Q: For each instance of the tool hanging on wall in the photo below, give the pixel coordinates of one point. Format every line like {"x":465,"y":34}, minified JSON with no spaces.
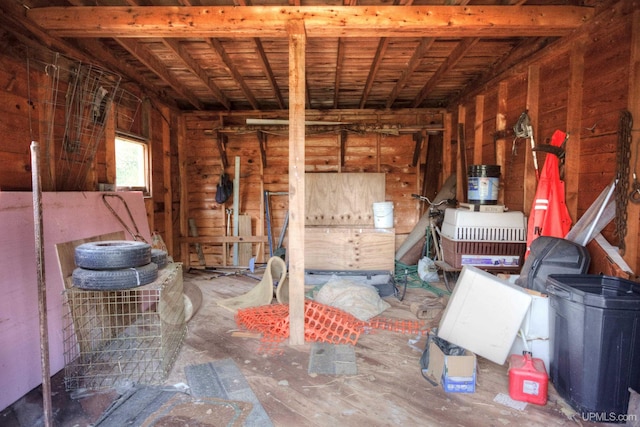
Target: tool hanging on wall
{"x":523,"y":129}
{"x":136,"y":236}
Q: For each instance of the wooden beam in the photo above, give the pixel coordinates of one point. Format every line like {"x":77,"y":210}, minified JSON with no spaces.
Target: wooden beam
{"x":297,"y":48}
{"x":479,"y":130}
{"x":501,"y":127}
{"x":424,"y":45}
{"x":221,"y":141}
{"x":196,"y":70}
{"x":268,"y":72}
{"x":262,"y":141}
{"x":343,"y":145}
{"x":339,"y":63}
{"x":456,"y":55}
{"x":233,"y":70}
{"x":418,"y":138}
{"x":461,"y":157}
{"x":319,"y":21}
{"x":373,"y":71}
{"x":140,"y":52}
{"x":223,"y":239}
{"x":574,"y":128}
{"x":184,"y":190}
{"x":167,"y":193}
{"x":532,"y":107}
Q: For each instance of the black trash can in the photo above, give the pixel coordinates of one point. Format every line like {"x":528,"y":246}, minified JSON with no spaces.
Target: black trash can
{"x":594,"y":332}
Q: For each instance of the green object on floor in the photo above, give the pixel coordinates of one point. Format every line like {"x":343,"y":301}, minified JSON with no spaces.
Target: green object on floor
{"x":410,"y":274}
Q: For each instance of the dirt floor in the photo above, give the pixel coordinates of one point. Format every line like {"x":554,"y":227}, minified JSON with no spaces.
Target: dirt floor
{"x":387,"y":390}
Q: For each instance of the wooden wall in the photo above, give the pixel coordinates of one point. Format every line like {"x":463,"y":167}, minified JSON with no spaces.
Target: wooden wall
{"x":579,"y":85}
{"x":375,"y":150}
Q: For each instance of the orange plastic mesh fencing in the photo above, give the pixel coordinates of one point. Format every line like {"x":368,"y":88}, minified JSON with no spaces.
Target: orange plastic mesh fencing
{"x":322,"y":323}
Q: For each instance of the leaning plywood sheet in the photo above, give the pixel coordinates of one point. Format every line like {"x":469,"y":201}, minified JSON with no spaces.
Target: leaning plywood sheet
{"x":67,"y":216}
{"x":336,"y":199}
{"x":349,"y":248}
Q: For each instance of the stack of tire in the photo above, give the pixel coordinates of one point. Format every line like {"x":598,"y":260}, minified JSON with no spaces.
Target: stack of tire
{"x":116,"y":264}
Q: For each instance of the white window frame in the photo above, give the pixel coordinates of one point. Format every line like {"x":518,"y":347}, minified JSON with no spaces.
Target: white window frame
{"x":146,"y":188}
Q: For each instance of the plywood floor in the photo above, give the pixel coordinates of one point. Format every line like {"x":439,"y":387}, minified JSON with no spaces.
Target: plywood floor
{"x":388,"y":389}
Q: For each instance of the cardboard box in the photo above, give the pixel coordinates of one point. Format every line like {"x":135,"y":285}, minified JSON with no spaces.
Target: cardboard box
{"x":484,"y":314}
{"x":457,"y":374}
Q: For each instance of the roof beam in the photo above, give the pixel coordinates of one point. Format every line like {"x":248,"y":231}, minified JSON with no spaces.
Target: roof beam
{"x":142,"y":54}
{"x":319,"y":21}
{"x":456,"y":55}
{"x":195,"y":68}
{"x":233,"y":71}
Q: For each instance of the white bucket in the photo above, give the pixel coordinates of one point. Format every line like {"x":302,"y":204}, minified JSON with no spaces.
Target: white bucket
{"x":383,"y":214}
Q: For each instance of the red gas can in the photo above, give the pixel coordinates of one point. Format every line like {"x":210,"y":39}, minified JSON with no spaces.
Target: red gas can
{"x":528,"y":379}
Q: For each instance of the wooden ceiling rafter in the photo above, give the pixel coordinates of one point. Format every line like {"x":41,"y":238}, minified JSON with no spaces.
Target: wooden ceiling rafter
{"x":454,"y":57}
{"x":423,"y":47}
{"x":216,"y":45}
{"x":339,"y":67}
{"x":141,"y":53}
{"x":195,"y":68}
{"x":264,"y":63}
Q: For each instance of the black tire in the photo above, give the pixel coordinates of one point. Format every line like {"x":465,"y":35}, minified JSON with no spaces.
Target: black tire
{"x":112,"y":254}
{"x":109,"y":280}
{"x":159,"y":257}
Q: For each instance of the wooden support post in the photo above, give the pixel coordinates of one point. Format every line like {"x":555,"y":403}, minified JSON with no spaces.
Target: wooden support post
{"x":447,"y":167}
{"x":184,"y":192}
{"x":244,"y":249}
{"x":193,"y":231}
{"x":236,"y":207}
{"x":501,"y":127}
{"x":574,"y":128}
{"x":461,"y":157}
{"x":297,"y":48}
{"x":532,"y":107}
{"x":166,"y":180}
{"x":479,"y":131}
{"x":42,"y":284}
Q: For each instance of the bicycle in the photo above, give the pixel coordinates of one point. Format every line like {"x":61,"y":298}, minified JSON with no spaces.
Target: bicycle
{"x":432,"y":247}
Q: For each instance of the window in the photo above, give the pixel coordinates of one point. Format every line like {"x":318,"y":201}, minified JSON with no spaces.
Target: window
{"x":132,"y":165}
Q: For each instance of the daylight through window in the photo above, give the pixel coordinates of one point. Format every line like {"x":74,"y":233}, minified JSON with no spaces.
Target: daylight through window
{"x":132,"y":165}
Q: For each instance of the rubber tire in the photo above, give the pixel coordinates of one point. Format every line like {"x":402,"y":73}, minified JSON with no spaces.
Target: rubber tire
{"x":111,"y":280}
{"x":112,"y":254}
{"x":159,"y":257}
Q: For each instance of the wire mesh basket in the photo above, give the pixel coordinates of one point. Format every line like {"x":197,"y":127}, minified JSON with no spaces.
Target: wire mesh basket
{"x":119,"y":338}
{"x":75,"y":99}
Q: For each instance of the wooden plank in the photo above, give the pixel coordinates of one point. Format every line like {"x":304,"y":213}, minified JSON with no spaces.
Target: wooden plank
{"x":342,"y":198}
{"x":297,"y":188}
{"x":193,"y":231}
{"x":532,"y":107}
{"x":184,"y":192}
{"x":319,"y":21}
{"x":244,"y":249}
{"x":574,"y":128}
{"x":501,"y":126}
{"x":19,"y":335}
{"x":167,"y":195}
{"x":479,"y":130}
{"x":349,"y":248}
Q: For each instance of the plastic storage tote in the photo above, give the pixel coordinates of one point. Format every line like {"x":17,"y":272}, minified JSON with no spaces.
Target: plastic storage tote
{"x":594,"y":332}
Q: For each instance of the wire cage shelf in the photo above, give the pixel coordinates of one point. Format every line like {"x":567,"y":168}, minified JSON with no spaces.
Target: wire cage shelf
{"x":118,"y":338}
